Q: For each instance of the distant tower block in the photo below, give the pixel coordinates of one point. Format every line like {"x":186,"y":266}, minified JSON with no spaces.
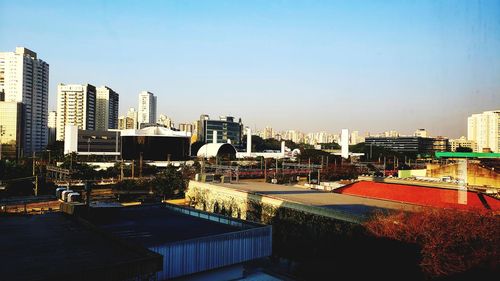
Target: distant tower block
{"x":249,"y":142}
{"x":344,"y":143}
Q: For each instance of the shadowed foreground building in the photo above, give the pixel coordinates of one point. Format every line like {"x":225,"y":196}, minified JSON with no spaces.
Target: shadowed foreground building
{"x":152,"y":242}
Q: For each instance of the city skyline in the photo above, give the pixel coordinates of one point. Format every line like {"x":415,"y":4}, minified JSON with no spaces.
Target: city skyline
{"x":297,"y":65}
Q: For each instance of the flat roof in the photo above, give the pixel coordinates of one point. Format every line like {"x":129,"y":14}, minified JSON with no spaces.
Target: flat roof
{"x":56,"y":246}
{"x":353,"y":205}
{"x":156,"y":225}
{"x":424,"y":196}
{"x":467,"y":155}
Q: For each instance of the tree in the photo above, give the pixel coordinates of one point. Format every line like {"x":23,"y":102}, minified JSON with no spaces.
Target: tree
{"x":169,"y":182}
{"x":451,"y":241}
{"x":463,"y":149}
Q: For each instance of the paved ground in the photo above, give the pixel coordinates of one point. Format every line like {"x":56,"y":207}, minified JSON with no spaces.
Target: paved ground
{"x":341,"y":202}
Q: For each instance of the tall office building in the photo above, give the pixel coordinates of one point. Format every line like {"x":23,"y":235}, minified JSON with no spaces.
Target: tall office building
{"x":106,"y":115}
{"x":11,"y":132}
{"x":147,"y":108}
{"x":24,"y":78}
{"x":52,"y":124}
{"x":484,"y":129}
{"x":76,"y":105}
{"x":226,"y":129}
{"x":268,"y":133}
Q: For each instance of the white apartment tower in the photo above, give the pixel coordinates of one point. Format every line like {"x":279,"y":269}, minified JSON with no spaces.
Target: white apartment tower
{"x":76,"y":105}
{"x":25,"y":79}
{"x":147,"y":108}
{"x":52,"y":124}
{"x":106,"y":113}
{"x":484,"y":129}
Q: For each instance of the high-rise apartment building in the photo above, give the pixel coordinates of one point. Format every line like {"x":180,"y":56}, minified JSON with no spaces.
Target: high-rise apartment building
{"x":147,"y":108}
{"x":186,"y":127}
{"x":421,"y":133}
{"x":268,"y":133}
{"x":165,"y":121}
{"x":463,"y":142}
{"x":484,"y":129}
{"x":76,"y":105}
{"x":106,"y":114}
{"x":52,"y":124}
{"x":11,"y":132}
{"x":24,"y":78}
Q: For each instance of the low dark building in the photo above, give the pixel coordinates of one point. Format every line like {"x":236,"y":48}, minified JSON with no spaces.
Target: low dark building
{"x":57,"y":247}
{"x":155,"y":144}
{"x":416,"y":145}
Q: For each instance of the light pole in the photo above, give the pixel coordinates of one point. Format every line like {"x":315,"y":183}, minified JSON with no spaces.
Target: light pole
{"x":2,"y":132}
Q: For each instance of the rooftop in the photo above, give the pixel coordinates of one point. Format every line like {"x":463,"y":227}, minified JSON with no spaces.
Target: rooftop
{"x":424,"y":196}
{"x":357,"y":206}
{"x":56,"y":246}
{"x":156,"y":225}
{"x":155,"y":131}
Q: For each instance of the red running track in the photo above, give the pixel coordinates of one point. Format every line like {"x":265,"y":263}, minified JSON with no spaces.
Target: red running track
{"x":425,"y":196}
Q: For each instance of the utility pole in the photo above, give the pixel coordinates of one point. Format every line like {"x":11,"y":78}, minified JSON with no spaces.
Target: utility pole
{"x":36,"y":185}
{"x":276,"y":172}
{"x":34,"y":172}
{"x":121,"y":169}
{"x":309,"y":170}
{"x":133,"y":169}
{"x":34,"y":163}
{"x":265,"y":171}
{"x":319,"y":176}
{"x":140,"y":166}
{"x":2,"y":132}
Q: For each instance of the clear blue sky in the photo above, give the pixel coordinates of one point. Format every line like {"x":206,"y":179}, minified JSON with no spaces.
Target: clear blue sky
{"x":307,"y":65}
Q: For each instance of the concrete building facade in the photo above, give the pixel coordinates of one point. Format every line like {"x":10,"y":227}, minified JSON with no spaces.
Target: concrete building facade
{"x":24,"y":78}
{"x":52,"y":125}
{"x":76,"y":105}
{"x":165,"y":121}
{"x":484,"y":129}
{"x":11,"y":132}
{"x":147,"y":108}
{"x":463,"y":142}
{"x":106,"y":109}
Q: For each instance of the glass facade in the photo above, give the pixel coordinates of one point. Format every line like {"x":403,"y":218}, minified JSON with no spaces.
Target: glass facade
{"x":404,"y":144}
{"x":226,"y":129}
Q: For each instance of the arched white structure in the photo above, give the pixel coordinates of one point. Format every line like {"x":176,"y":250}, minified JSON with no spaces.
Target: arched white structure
{"x":216,"y":149}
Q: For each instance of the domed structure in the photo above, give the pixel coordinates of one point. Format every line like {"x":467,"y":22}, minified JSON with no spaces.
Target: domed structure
{"x":217,"y":150}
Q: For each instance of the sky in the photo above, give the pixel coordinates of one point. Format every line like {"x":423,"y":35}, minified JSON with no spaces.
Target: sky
{"x":312,"y":66}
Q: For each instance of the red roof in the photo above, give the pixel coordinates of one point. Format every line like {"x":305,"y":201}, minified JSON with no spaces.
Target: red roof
{"x":425,"y":196}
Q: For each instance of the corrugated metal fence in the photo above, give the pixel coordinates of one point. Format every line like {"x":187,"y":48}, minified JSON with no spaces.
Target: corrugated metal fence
{"x":205,"y":253}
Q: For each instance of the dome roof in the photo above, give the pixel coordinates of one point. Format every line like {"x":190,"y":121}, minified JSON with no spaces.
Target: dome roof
{"x":216,"y":149}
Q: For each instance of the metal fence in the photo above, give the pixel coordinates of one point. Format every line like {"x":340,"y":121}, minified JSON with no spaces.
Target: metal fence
{"x":181,"y":258}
